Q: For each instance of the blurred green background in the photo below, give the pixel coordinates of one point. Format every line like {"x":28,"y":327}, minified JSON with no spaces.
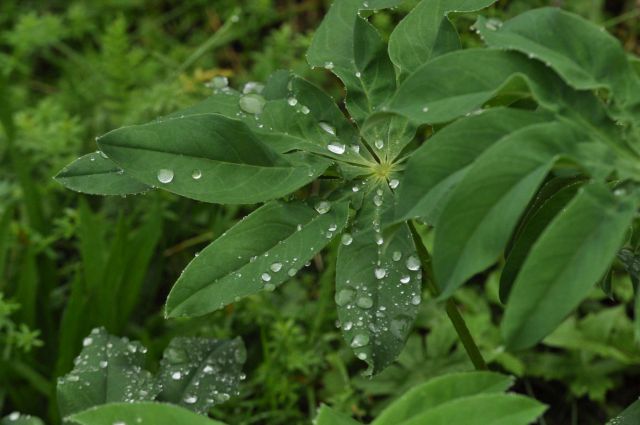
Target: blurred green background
{"x":68,"y":263}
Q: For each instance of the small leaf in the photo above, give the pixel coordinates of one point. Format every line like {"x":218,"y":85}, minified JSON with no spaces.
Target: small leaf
{"x":198,"y":373}
{"x":140,"y":414}
{"x":378,"y":283}
{"x":16,"y":418}
{"x":570,"y":256}
{"x":630,"y":416}
{"x":437,"y":166}
{"x":109,"y":369}
{"x":329,"y":416}
{"x":426,"y":32}
{"x":387,"y":135}
{"x":210,"y":158}
{"x":441,"y":390}
{"x":262,"y":251}
{"x":96,"y":175}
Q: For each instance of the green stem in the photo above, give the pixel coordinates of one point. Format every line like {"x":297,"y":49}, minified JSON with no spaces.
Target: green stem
{"x":451,"y":308}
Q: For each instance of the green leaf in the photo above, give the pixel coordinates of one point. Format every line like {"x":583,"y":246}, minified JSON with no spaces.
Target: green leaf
{"x":582,"y":53}
{"x":483,"y":409}
{"x":426,"y":32}
{"x":198,"y":373}
{"x":262,"y":251}
{"x":96,"y":175}
{"x":109,"y":369}
{"x":142,"y":414}
{"x":441,"y":390}
{"x":485,"y":206}
{"x":437,"y":166}
{"x":532,"y":229}
{"x":378,"y":282}
{"x":16,"y":418}
{"x":329,"y":416}
{"x":630,"y":416}
{"x":570,"y":256}
{"x":388,"y":134}
{"x":352,"y":49}
{"x":210,"y":158}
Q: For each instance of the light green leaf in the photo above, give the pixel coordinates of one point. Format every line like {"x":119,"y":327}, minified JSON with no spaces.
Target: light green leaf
{"x":16,"y":418}
{"x":388,"y":134}
{"x":437,"y":166}
{"x":109,"y":369}
{"x":378,"y":282}
{"x":329,"y":416}
{"x":96,"y":175}
{"x":426,"y":32}
{"x":483,"y":409}
{"x":582,"y":53}
{"x":352,"y":49}
{"x":262,"y":251}
{"x":439,"y":391}
{"x":141,"y":414}
{"x":485,"y":206}
{"x":198,"y":373}
{"x":570,"y":256}
{"x":631,"y":416}
{"x":210,"y":158}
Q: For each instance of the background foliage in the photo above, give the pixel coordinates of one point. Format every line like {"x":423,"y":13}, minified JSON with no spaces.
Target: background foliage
{"x":69,"y":263}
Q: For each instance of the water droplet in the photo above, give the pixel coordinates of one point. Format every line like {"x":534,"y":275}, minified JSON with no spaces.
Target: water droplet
{"x":399,"y":327}
{"x":253,"y":87}
{"x":360,"y":340}
{"x":103,"y":364}
{"x":333,"y":227}
{"x":378,"y":201}
{"x":292,"y":101}
{"x":358,"y":74}
{"x":176,"y":376}
{"x":305,"y":110}
{"x":270,"y":287}
{"x":219,"y":82}
{"x":405,"y":279}
{"x":355,"y":188}
{"x":346,"y":239}
{"x":208,"y":369}
{"x":14,"y":416}
{"x":328,"y":65}
{"x":393,"y":183}
{"x":323,"y":207}
{"x":379,"y":239}
{"x":397,"y":255}
{"x":344,"y":296}
{"x":275,"y":267}
{"x":362,"y":356}
{"x":235,"y":18}
{"x":292,"y":272}
{"x":413,"y":263}
{"x":327,"y":127}
{"x":165,"y":176}
{"x":380,"y":273}
{"x":337,"y":148}
{"x":416,"y":299}
{"x":252,"y":103}
{"x":191,"y":399}
{"x":493,"y":24}
{"x":87,"y":342}
{"x":196,"y":174}
{"x":425,"y":109}
{"x":364,"y":302}
{"x":347,"y":326}
{"x":379,"y":144}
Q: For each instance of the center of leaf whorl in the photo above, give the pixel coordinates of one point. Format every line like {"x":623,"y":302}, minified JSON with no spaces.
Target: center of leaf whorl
{"x":382,"y":170}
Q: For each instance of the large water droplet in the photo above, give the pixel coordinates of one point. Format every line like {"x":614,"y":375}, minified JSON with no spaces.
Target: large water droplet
{"x":165,"y":175}
{"x":380,"y":273}
{"x":346,"y":239}
{"x":397,"y":255}
{"x":360,"y":340}
{"x":176,"y":376}
{"x":337,"y":148}
{"x":393,"y":183}
{"x":328,"y":65}
{"x":191,"y":399}
{"x":378,"y":201}
{"x":252,"y":103}
{"x":364,"y":302}
{"x":275,"y":267}
{"x":413,"y":263}
{"x":219,"y":82}
{"x":323,"y":207}
{"x":292,"y":101}
{"x":344,"y":296}
{"x":305,"y":109}
{"x":266,"y":277}
{"x":253,"y":87}
{"x":327,"y":127}
{"x":399,"y":327}
{"x":405,"y":279}
{"x":416,"y":299}
{"x":379,"y":144}
{"x":196,"y":174}
{"x":379,"y":239}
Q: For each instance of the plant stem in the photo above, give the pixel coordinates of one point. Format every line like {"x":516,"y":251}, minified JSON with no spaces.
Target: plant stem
{"x":451,"y":308}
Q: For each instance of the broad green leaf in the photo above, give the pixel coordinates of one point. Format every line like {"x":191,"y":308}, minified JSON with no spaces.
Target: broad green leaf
{"x":437,"y":166}
{"x":352,"y":49}
{"x":141,"y":414}
{"x":329,"y":416}
{"x":439,"y":391}
{"x":388,"y":134}
{"x":16,"y":418}
{"x":426,"y":32}
{"x":108,"y":370}
{"x":378,"y":282}
{"x":533,"y":228}
{"x":582,"y":53}
{"x":262,"y":251}
{"x":96,"y":175}
{"x":483,"y":409}
{"x":210,"y":158}
{"x":630,"y":416}
{"x":570,"y":256}
{"x":198,"y":373}
{"x":484,"y":208}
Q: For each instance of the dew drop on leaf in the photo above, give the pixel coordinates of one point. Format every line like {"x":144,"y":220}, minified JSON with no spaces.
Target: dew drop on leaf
{"x":276,"y":267}
{"x":323,"y":207}
{"x":196,"y":174}
{"x":360,"y":340}
{"x":379,"y":144}
{"x":396,"y":256}
{"x":364,"y":302}
{"x":344,"y":296}
{"x":413,"y":263}
{"x":394,"y":183}
{"x":190,"y":399}
{"x":219,"y":82}
{"x":165,"y":176}
{"x":266,"y":277}
{"x":380,"y":273}
{"x":346,"y":239}
{"x":405,"y":279}
{"x":337,"y":148}
{"x":176,"y":376}
{"x":252,"y":103}
{"x":425,"y":109}
{"x":305,"y":110}
{"x":252,"y":87}
{"x":327,"y":127}
{"x":292,"y":101}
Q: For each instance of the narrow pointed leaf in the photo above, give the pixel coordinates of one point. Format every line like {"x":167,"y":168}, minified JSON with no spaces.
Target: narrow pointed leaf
{"x":434,"y":169}
{"x":630,"y":416}
{"x":486,"y":205}
{"x":426,"y":32}
{"x":259,"y":253}
{"x":140,"y":413}
{"x":388,"y":134}
{"x":108,"y":370}
{"x":198,"y":373}
{"x":210,"y":158}
{"x":572,"y":254}
{"x":329,"y":416}
{"x":96,"y":175}
{"x":441,"y":390}
{"x":378,"y":285}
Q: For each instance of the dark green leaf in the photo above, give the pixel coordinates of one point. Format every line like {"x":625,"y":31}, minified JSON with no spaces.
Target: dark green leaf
{"x":262,"y":251}
{"x":570,"y":256}
{"x":631,"y":416}
{"x":141,"y":414}
{"x":16,"y":418}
